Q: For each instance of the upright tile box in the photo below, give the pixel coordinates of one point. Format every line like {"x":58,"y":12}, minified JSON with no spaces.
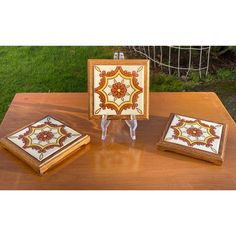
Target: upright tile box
{"x":118,"y":88}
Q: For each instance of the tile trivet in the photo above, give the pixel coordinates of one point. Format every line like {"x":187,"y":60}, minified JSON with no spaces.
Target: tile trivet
{"x":44,"y":143}
{"x":118,"y":88}
{"x":195,"y":137}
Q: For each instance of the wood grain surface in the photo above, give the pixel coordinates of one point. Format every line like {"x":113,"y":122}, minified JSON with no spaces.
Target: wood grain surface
{"x":118,"y":162}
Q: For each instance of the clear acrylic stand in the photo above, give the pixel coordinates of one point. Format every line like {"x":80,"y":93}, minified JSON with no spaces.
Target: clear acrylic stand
{"x":104,"y":124}
{"x":132,"y":123}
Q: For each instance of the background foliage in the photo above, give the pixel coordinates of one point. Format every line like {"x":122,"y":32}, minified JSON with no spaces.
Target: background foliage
{"x":64,"y":69}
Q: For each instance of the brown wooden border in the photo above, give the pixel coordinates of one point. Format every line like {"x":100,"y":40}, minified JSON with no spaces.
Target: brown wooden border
{"x":92,"y":62}
{"x":42,"y":166}
{"x":190,"y":151}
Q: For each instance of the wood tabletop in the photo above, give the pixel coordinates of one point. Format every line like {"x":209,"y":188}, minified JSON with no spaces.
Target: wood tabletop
{"x":118,"y":162}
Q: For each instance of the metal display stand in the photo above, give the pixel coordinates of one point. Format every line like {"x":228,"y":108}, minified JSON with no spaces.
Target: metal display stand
{"x":132,"y":123}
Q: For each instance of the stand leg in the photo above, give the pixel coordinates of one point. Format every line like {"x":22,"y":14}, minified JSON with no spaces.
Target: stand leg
{"x":116,"y":56}
{"x":104,"y":124}
{"x":132,"y":124}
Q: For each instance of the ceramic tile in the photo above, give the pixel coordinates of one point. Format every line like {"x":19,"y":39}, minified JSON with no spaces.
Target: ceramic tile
{"x":44,"y":138}
{"x":118,"y":89}
{"x":195,"y":133}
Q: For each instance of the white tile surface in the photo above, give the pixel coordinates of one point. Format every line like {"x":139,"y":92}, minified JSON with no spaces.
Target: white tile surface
{"x":42,"y":139}
{"x":124,"y":99}
{"x":195,"y":135}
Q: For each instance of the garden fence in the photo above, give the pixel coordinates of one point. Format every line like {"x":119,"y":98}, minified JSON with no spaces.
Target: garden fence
{"x":176,"y":59}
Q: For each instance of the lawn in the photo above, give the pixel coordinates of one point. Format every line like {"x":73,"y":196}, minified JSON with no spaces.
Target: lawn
{"x":223,"y":83}
{"x":64,"y":69}
{"x":44,"y":69}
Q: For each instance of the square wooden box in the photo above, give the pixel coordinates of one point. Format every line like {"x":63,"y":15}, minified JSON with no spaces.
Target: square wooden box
{"x":44,"y":143}
{"x":194,"y":137}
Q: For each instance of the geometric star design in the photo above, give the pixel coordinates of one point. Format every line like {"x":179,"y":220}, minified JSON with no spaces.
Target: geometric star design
{"x":194,"y":132}
{"x":118,"y":90}
{"x":44,"y":137}
{"x":198,"y":138}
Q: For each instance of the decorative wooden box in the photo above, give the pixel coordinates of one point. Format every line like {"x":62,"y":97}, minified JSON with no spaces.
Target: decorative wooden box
{"x":118,"y":88}
{"x":194,"y":137}
{"x":44,"y":143}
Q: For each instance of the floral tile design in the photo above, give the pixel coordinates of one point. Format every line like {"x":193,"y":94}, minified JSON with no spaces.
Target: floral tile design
{"x":44,"y":138}
{"x":118,"y":89}
{"x":195,"y":133}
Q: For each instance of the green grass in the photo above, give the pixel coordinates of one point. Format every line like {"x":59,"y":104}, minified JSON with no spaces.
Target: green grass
{"x":165,"y":83}
{"x":64,"y":69}
{"x":44,"y":69}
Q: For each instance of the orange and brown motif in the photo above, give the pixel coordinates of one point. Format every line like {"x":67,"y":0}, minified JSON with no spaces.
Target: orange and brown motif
{"x":118,"y":90}
{"x":46,"y":136}
{"x":195,"y":132}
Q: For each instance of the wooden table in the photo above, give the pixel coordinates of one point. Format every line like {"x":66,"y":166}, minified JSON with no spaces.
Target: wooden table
{"x":119,"y":163}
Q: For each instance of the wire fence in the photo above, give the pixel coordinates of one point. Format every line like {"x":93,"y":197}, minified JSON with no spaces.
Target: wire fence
{"x":176,"y":59}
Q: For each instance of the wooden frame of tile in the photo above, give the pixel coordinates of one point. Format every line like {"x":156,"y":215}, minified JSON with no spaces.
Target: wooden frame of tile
{"x":95,"y":64}
{"x":216,"y":158}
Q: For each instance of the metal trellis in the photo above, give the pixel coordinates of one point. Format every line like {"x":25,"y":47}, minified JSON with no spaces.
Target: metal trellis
{"x":156,"y":55}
